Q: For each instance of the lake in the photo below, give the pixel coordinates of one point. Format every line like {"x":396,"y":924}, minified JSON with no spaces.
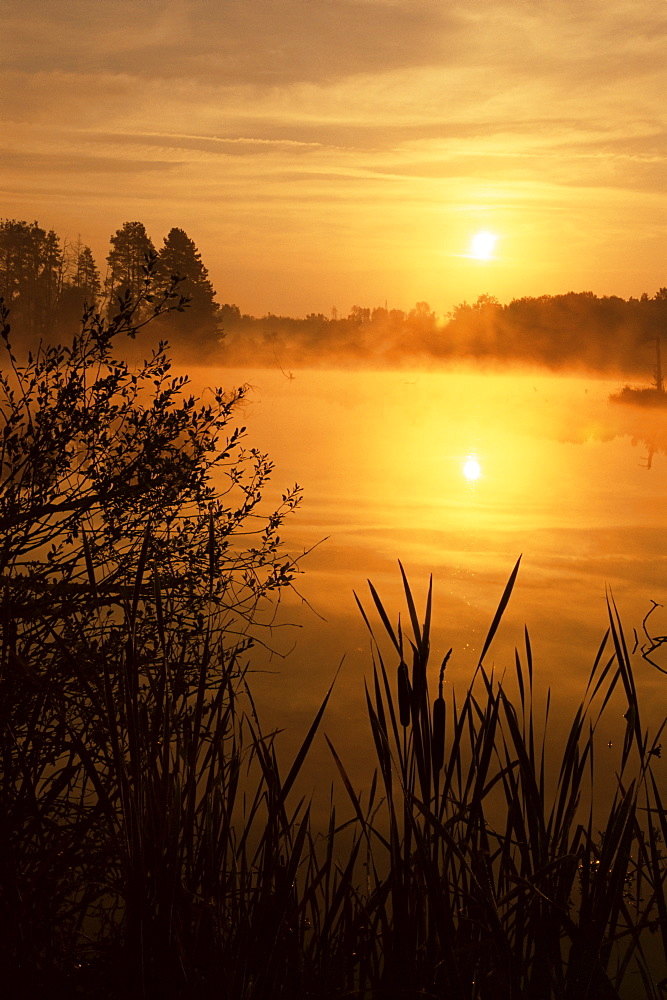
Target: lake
{"x":571,"y":481}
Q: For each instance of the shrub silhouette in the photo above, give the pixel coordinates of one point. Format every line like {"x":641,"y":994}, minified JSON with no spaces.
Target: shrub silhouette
{"x":135,"y":562}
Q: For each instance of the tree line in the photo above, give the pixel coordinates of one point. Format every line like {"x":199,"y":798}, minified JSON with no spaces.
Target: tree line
{"x":605,"y":334}
{"x":47,"y":282}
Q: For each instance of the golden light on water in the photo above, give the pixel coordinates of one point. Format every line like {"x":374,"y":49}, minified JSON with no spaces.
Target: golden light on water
{"x":471,"y":468}
{"x":482,"y":245}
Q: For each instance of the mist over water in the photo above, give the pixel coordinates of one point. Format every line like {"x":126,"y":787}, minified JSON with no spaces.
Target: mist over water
{"x":560,"y":474}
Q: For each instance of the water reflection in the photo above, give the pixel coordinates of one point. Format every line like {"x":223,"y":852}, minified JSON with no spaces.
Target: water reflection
{"x":645,"y":426}
{"x":457,"y":474}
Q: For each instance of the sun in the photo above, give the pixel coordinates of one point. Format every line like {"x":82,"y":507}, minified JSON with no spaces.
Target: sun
{"x":482,"y":245}
{"x":471,"y":468}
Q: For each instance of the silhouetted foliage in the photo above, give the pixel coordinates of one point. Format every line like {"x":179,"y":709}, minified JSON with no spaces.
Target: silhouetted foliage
{"x":48,"y":286}
{"x":131,"y":535}
{"x":131,"y":248}
{"x":91,"y":444}
{"x":150,"y":846}
{"x":93,"y":448}
{"x":81,"y":287}
{"x":45,"y":286}
{"x":199,"y":325}
{"x":31,"y":266}
{"x":608,"y":335}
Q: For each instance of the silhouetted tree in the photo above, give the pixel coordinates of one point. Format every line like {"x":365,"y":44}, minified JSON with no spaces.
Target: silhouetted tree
{"x":421,"y":319}
{"x":131,"y":249}
{"x":80,"y":288}
{"x":180,"y":257}
{"x":86,"y":277}
{"x":359,"y":315}
{"x":134,"y":559}
{"x":230,"y":314}
{"x":90,"y":444}
{"x":31,"y":274}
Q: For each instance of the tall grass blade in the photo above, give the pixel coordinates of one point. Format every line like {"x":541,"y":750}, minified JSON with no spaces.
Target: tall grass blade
{"x":500,"y":611}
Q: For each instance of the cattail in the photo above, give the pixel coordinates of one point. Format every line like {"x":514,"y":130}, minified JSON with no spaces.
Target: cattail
{"x":438,"y":747}
{"x":403,"y":694}
{"x":439,"y":715}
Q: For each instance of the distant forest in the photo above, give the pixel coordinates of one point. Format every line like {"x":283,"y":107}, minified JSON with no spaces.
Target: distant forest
{"x":46,"y":283}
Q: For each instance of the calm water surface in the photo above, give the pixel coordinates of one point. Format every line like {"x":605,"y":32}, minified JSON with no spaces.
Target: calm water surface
{"x":575,"y":484}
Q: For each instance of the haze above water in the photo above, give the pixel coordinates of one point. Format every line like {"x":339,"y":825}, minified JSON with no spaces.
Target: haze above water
{"x":572,"y":481}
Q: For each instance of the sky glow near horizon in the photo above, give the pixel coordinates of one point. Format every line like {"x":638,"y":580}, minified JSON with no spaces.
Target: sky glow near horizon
{"x":336,"y":152}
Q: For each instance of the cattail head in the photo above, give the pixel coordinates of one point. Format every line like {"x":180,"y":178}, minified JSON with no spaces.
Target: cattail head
{"x":439,"y":715}
{"x":404,"y":694}
{"x":438,"y":733}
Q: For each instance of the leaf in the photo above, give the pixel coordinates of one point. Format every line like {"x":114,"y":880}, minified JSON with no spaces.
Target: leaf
{"x":500,"y":610}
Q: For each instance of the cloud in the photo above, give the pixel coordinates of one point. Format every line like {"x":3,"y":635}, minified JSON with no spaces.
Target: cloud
{"x":352,"y":73}
{"x":257,"y":42}
{"x":59,"y":163}
{"x":265,"y":43}
{"x":216,"y":145}
{"x":393,"y":124}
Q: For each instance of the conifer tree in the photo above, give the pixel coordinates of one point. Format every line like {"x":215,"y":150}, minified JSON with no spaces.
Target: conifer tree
{"x":80,"y":289}
{"x":87,"y":277}
{"x":31,"y":270}
{"x":179,"y":256}
{"x":131,"y":250}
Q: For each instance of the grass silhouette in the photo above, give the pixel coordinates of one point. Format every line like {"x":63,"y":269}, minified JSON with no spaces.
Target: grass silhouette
{"x":151,"y":846}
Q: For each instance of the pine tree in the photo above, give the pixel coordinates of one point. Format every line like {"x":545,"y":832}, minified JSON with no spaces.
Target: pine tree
{"x":179,"y":256}
{"x":87,"y":276}
{"x":31,"y":273}
{"x":81,"y":287}
{"x":131,"y":249}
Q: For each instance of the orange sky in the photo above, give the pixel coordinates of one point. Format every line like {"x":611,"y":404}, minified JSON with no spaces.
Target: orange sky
{"x":336,"y":152}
